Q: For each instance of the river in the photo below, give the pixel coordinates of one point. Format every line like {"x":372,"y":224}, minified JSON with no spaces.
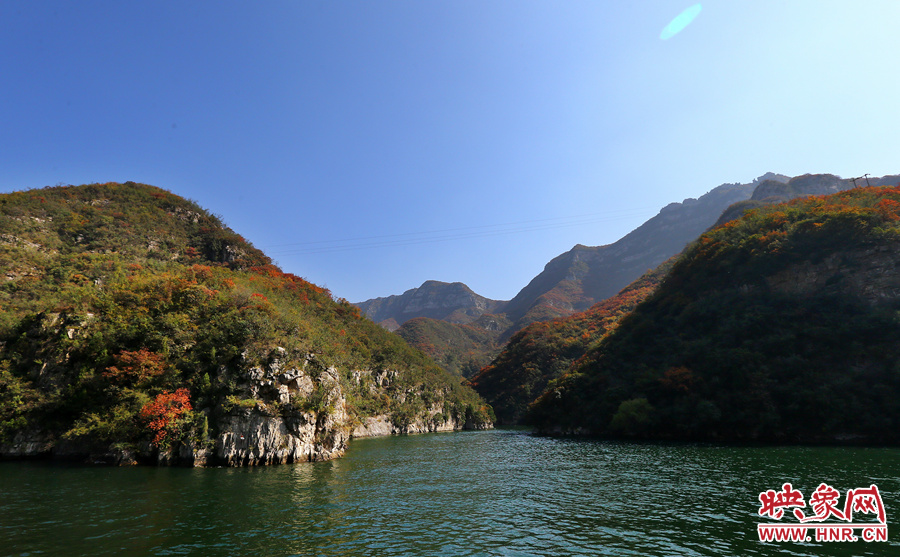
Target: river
{"x":500,"y":492}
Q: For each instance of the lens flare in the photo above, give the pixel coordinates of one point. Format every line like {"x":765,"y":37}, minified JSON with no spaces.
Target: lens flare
{"x":681,"y":21}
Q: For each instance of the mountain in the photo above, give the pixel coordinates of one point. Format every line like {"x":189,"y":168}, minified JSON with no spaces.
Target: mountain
{"x":136,"y":327}
{"x":584,"y":275}
{"x":570,"y":283}
{"x":451,"y":302}
{"x":545,"y":350}
{"x":575,"y":280}
{"x":780,"y":326}
{"x":460,"y":349}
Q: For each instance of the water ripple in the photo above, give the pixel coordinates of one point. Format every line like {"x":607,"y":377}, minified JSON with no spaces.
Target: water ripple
{"x":502,"y":493}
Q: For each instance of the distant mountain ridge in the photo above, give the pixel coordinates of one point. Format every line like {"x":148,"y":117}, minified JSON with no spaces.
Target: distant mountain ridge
{"x":452,"y":302}
{"x":583,"y":276}
{"x":586,"y":275}
{"x":574,"y":280}
{"x":770,"y":191}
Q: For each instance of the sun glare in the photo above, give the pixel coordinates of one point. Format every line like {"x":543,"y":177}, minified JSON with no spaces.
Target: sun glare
{"x":681,"y":21}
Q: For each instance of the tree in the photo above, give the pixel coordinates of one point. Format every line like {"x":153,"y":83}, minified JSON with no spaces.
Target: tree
{"x":168,"y":416}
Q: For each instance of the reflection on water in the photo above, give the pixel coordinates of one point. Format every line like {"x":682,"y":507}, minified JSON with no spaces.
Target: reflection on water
{"x":498,"y":492}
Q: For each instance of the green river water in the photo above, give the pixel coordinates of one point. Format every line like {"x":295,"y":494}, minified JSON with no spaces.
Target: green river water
{"x":501,"y":492}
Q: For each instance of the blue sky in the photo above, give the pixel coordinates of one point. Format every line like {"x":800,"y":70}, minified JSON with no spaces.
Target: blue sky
{"x":372,"y":145}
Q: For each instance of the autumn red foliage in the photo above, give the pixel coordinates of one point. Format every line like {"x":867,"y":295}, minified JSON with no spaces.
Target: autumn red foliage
{"x":135,"y":367}
{"x":678,"y":379}
{"x":165,"y":415}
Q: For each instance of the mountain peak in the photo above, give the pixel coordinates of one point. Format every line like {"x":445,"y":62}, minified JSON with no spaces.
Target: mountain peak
{"x":772,"y":176}
{"x":807,"y":184}
{"x":450,"y":301}
{"x":577,"y":279}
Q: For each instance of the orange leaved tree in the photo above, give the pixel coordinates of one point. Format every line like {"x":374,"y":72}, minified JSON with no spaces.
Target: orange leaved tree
{"x":168,"y":416}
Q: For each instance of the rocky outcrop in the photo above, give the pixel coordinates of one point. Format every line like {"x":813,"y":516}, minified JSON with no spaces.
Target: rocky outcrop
{"x":253,"y":438}
{"x":376,"y":426}
{"x":285,"y":415}
{"x":299,"y":415}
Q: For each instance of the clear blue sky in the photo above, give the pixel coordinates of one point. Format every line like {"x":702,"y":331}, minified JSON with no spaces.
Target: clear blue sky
{"x":372,"y":145}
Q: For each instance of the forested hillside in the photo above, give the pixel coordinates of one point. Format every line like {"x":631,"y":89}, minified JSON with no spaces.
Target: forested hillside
{"x":545,"y":350}
{"x":135,"y":325}
{"x":780,"y":326}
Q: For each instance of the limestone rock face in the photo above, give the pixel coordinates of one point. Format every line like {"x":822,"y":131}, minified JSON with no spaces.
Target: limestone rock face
{"x":27,"y":443}
{"x":312,"y":422}
{"x":432,"y":422}
{"x":255,"y":438}
{"x":300,"y":416}
{"x":374,"y":426}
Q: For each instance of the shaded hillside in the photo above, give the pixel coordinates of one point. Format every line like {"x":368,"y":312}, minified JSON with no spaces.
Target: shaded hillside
{"x":459,"y":349}
{"x":779,"y":326}
{"x":544,"y":351}
{"x":585,"y":275}
{"x":451,"y":302}
{"x":134,"y":325}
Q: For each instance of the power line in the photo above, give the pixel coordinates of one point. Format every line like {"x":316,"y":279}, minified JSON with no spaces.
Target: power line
{"x":451,"y":234}
{"x":641,"y":210}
